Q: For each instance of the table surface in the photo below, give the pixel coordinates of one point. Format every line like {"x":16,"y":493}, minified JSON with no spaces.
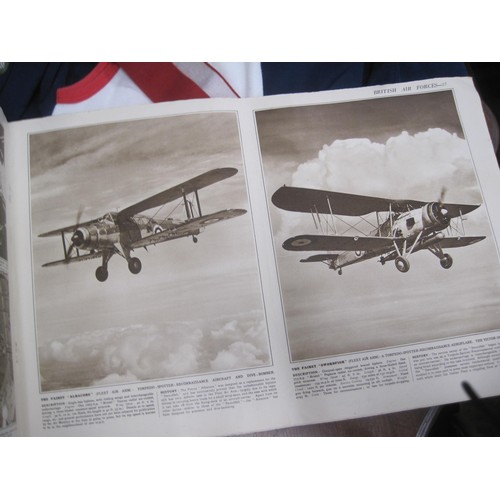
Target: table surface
{"x":401,"y":424}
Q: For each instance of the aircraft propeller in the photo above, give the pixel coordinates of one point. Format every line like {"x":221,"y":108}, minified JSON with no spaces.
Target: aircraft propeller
{"x":76,"y":238}
{"x":444,"y":190}
{"x":442,"y":208}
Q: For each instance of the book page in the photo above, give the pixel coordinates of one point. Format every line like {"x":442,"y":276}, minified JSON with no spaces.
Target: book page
{"x":226,"y":266}
{"x":385,"y":224}
{"x":7,"y":391}
{"x":144,"y":280}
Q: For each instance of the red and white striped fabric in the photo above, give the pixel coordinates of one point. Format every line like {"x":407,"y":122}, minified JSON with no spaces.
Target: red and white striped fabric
{"x":124,"y":84}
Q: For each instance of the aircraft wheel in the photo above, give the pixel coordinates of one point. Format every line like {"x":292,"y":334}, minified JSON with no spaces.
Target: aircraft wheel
{"x":340,"y":272}
{"x":134,"y":265}
{"x":446,"y":262}
{"x":402,"y":264}
{"x":195,"y":239}
{"x":101,"y":273}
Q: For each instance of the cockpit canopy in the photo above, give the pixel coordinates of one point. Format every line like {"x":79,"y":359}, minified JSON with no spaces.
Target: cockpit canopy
{"x":109,"y":217}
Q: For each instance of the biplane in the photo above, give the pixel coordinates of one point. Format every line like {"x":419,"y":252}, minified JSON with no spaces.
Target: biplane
{"x":401,"y":227}
{"x":120,"y":233}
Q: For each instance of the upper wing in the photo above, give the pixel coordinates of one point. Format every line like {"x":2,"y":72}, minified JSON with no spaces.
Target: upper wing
{"x":178,"y":191}
{"x":188,"y":228}
{"x":308,"y":242}
{"x":456,"y":210}
{"x":329,"y":202}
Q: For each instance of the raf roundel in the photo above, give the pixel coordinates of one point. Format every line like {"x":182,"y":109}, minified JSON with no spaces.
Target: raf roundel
{"x":302,"y":242}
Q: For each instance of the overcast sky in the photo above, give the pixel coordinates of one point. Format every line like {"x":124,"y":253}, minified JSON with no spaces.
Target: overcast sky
{"x":398,"y":147}
{"x":194,"y":307}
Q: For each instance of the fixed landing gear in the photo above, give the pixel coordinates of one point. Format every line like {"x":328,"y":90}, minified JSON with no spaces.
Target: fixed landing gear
{"x":134,"y":265}
{"x":101,"y":273}
{"x":444,"y":258}
{"x":402,"y":264}
{"x":446,"y":261}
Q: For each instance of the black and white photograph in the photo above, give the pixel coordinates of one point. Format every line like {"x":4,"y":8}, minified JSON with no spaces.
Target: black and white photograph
{"x":380,"y":231}
{"x":144,"y":257}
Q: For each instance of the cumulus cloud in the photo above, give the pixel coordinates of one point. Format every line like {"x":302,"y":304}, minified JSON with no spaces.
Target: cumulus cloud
{"x":239,"y":344}
{"x":410,"y":166}
{"x":147,"y":352}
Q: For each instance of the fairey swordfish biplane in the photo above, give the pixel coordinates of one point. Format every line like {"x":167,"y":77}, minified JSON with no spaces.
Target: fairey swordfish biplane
{"x":402,"y":227}
{"x":120,"y":233}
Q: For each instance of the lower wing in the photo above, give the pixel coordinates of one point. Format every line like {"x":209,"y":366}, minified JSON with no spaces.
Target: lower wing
{"x":322,"y":257}
{"x":307,"y":242}
{"x":460,"y":241}
{"x":70,"y":260}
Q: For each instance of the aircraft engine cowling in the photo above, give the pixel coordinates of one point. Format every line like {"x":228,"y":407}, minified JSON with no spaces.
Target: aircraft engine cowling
{"x":85,"y":238}
{"x":435,"y":215}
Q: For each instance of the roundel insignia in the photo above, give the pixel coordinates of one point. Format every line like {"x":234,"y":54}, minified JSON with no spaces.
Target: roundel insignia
{"x":211,"y":221}
{"x":302,"y":242}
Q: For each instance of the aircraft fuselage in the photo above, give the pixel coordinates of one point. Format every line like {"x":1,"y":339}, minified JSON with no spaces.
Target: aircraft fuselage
{"x":108,"y":231}
{"x":424,"y":224}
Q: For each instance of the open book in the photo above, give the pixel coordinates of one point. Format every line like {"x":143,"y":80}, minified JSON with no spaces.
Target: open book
{"x":224,"y":266}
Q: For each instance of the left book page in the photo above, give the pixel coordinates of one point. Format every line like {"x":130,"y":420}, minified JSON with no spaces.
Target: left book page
{"x":138,"y":296}
{"x":7,"y":394}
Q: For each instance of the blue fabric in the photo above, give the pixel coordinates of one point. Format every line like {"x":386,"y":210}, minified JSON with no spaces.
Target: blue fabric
{"x":284,"y":78}
{"x":28,"y":90}
{"x":383,"y":73}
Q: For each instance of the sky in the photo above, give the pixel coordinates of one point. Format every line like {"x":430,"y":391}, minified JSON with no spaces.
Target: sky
{"x":398,"y":147}
{"x":194,"y":308}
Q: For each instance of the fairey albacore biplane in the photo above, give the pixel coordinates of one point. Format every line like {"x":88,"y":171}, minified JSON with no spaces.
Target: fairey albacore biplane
{"x":400,"y":227}
{"x":123,"y":232}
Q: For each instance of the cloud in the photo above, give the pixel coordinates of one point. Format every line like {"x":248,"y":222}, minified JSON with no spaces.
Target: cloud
{"x":147,"y":352}
{"x":406,"y":166}
{"x":236,"y":355}
{"x":239,"y":344}
{"x":114,"y":379}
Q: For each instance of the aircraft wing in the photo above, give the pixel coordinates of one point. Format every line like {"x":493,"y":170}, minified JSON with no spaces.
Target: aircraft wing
{"x":325,"y":202}
{"x":460,"y":241}
{"x":320,"y":257}
{"x":80,"y":258}
{"x":455,"y":210}
{"x":67,"y":229}
{"x":307,"y":242}
{"x":173,"y":193}
{"x":188,"y":228}
{"x":329,"y":202}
